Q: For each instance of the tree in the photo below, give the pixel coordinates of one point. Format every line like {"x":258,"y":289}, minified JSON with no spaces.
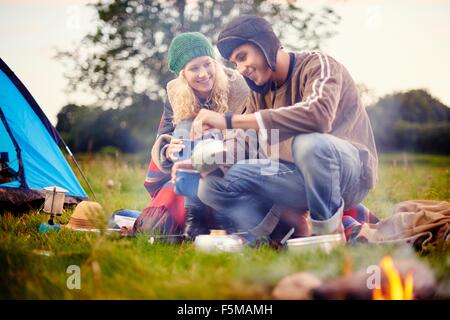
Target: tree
{"x":130,"y":129}
{"x":127,"y":52}
{"x":412,"y":120}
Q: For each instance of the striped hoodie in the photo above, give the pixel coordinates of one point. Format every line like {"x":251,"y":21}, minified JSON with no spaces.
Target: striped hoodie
{"x":320,"y":96}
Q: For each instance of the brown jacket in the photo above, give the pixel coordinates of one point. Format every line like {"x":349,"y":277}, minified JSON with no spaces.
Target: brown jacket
{"x":320,"y":96}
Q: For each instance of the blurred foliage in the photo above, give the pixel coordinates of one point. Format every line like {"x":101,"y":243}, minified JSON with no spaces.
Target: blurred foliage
{"x":412,"y":121}
{"x":90,"y":129}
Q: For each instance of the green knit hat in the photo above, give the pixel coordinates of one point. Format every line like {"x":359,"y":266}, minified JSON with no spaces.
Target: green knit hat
{"x":186,"y":47}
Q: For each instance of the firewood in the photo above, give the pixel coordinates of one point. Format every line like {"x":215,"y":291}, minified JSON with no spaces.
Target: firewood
{"x":355,"y":286}
{"x":297,"y":286}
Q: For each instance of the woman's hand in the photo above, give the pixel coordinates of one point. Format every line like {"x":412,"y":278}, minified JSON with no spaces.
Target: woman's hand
{"x":175,"y":146}
{"x":184,"y":164}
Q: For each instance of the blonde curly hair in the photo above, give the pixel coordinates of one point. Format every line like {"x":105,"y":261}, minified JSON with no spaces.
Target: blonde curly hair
{"x":185,"y":103}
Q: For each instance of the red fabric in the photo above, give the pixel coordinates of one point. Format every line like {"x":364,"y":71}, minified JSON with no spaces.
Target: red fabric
{"x":173,"y":203}
{"x":164,"y":200}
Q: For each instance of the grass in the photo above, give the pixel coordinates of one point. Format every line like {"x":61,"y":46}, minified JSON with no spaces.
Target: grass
{"x":34,"y":265}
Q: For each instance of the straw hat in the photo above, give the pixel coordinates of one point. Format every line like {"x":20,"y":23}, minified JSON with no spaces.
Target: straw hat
{"x":87,"y":215}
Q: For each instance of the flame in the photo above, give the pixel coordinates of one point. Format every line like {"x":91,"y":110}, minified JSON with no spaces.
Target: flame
{"x":395,"y":289}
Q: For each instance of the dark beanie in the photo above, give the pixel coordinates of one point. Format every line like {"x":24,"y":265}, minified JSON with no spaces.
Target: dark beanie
{"x":253,"y":29}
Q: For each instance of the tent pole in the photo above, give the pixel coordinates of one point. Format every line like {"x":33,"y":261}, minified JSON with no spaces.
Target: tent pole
{"x":79,"y":169}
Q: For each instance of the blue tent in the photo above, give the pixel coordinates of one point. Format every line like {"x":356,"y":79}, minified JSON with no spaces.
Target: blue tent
{"x":30,"y":158}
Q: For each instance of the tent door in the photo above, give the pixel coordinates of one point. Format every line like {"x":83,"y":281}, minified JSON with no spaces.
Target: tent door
{"x":11,"y":168}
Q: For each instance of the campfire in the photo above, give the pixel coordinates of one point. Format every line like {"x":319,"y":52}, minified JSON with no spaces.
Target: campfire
{"x":399,"y":279}
{"x":394,"y":288}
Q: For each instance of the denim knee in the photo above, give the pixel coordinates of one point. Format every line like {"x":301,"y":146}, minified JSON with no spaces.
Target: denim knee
{"x":212,"y":192}
{"x":240,"y":170}
{"x":309,"y":147}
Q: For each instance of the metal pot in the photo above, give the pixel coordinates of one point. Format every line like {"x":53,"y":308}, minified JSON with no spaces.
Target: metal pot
{"x":208,"y":155}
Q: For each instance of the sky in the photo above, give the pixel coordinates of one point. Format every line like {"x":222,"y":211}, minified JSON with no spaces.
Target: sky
{"x":388,"y":45}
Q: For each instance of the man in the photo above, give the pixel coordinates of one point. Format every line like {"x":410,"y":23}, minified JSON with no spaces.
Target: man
{"x":327,"y":155}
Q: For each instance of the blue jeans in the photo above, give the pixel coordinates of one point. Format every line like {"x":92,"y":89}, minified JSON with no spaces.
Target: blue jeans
{"x":325,"y":179}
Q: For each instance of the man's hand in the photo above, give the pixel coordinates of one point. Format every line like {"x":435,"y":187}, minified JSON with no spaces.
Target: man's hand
{"x":205,"y":120}
{"x":185,"y":164}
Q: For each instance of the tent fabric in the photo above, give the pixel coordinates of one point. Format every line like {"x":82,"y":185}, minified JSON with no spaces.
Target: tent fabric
{"x":27,"y":126}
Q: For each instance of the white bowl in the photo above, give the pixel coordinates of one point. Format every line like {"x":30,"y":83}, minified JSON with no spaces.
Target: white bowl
{"x":325,"y":242}
{"x":223,"y":243}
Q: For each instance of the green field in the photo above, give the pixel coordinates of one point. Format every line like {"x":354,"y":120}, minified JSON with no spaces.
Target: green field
{"x":33,"y":266}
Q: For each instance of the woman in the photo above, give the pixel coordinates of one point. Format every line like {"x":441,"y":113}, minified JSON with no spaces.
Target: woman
{"x":202,"y":82}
